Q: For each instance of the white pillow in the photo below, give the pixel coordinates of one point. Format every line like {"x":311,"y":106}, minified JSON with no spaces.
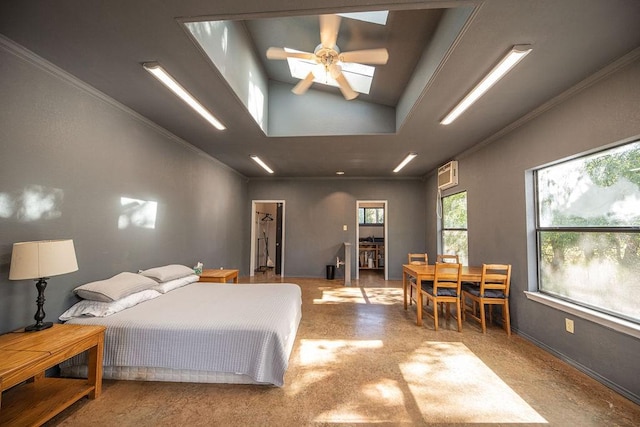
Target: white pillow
{"x":167,"y":272}
{"x":115,"y":288}
{"x":89,"y":308}
{"x":165,"y":287}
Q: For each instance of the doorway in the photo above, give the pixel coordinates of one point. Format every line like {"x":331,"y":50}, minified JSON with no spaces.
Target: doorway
{"x":372,"y":235}
{"x":267,"y":237}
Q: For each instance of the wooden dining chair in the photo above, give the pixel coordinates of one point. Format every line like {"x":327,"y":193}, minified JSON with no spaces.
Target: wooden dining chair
{"x":493,"y":290}
{"x":420,"y":259}
{"x":416,"y":259}
{"x":448,"y":258}
{"x":444,"y":289}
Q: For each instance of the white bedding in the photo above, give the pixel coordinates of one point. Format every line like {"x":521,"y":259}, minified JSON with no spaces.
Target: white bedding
{"x":243,"y":329}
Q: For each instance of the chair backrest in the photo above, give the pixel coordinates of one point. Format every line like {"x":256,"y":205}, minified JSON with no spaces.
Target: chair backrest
{"x":447,"y":275}
{"x":420,"y":259}
{"x":448,"y":258}
{"x":496,"y":277}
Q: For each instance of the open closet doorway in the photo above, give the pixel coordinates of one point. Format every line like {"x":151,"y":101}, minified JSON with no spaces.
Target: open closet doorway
{"x":267,"y":237}
{"x":372,"y":236}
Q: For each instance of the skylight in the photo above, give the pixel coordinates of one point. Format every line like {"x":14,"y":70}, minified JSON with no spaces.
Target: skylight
{"x":359,"y":76}
{"x":376,"y":17}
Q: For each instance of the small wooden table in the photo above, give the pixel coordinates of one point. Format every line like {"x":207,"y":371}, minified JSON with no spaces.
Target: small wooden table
{"x":427,"y":272}
{"x":25,"y":356}
{"x":219,"y":276}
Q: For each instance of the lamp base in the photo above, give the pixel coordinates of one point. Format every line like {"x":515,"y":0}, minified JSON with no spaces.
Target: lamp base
{"x":38,"y":327}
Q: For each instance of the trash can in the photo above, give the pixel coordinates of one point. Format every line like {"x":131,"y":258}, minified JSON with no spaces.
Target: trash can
{"x":331,"y":272}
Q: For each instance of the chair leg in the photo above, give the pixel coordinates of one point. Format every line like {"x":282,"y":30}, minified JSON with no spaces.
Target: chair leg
{"x":483,"y":321}
{"x":435,"y":316}
{"x":459,"y":315}
{"x":507,"y":318}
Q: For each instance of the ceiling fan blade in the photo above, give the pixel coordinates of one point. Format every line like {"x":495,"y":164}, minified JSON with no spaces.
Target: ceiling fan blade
{"x":329,"y":26}
{"x":367,"y":56}
{"x":303,"y":85}
{"x":280,"y":53}
{"x":345,"y":87}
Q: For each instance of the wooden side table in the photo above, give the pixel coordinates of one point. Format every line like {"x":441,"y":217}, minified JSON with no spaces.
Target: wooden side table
{"x":219,"y":276}
{"x":25,"y":356}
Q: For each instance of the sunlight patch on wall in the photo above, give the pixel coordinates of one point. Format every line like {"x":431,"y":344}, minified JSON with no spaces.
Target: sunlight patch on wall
{"x":33,"y":203}
{"x":474,"y":393}
{"x":256,"y":102}
{"x":137,"y":213}
{"x":229,"y":48}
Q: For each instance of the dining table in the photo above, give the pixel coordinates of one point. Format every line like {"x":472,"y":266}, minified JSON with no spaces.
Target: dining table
{"x":422,"y":272}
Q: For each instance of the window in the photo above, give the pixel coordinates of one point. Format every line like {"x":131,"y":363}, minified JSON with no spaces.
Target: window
{"x":371,"y":216}
{"x":588,"y":231}
{"x":454,"y":226}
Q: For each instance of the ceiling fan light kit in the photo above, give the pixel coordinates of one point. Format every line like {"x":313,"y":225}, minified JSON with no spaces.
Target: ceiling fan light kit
{"x":328,"y":55}
{"x":515,"y":55}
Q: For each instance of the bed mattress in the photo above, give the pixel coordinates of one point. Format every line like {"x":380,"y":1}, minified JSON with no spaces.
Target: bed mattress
{"x":204,"y":332}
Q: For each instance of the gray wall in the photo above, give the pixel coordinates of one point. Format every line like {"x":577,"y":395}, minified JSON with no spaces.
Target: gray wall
{"x":68,"y":155}
{"x":494,"y":177}
{"x":293,"y":115}
{"x":316,"y":210}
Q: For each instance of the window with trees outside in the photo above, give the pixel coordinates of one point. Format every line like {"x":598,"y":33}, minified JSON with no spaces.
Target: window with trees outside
{"x":454,"y":226}
{"x":371,"y":216}
{"x":588,"y":231}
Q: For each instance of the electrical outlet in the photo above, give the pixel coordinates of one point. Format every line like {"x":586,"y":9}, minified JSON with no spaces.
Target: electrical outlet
{"x":568,"y":323}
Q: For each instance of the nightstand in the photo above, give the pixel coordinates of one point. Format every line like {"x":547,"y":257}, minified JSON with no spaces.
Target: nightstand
{"x":219,"y":276}
{"x":25,"y":356}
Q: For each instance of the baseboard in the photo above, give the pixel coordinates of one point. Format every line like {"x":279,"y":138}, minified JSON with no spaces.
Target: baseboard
{"x":584,"y":369}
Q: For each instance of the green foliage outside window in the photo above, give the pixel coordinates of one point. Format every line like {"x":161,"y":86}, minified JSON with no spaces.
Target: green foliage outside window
{"x":371,"y":216}
{"x":589,"y":230}
{"x":454,"y":226}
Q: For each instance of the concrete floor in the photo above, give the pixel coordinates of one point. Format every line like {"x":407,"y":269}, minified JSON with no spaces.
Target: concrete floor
{"x":359,"y":359}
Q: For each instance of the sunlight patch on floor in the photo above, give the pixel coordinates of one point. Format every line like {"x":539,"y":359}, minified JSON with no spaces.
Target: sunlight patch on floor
{"x":353,"y":295}
{"x":450,"y":384}
{"x":322,"y":352}
{"x":306,"y":379}
{"x":375,"y":403}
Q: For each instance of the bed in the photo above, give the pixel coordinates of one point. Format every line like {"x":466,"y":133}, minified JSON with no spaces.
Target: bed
{"x":201,"y":332}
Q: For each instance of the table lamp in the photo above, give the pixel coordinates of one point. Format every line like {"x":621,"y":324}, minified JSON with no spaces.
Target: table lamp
{"x":41,"y":260}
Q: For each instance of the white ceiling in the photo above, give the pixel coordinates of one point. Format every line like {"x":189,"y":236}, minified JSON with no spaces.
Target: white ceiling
{"x":104,"y":43}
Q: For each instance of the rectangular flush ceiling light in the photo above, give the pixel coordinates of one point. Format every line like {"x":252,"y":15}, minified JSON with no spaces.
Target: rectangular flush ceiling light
{"x":504,"y":66}
{"x":159,"y":73}
{"x":259,"y":161}
{"x":406,"y":160}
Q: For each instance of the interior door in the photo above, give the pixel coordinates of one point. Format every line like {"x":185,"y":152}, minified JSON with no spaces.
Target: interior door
{"x":267,"y":237}
{"x":279,"y":222}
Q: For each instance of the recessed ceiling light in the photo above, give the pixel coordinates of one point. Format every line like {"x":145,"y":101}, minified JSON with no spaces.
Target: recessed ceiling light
{"x":507,"y":63}
{"x":159,"y":73}
{"x":340,"y":173}
{"x":406,"y":160}
{"x":261,"y":163}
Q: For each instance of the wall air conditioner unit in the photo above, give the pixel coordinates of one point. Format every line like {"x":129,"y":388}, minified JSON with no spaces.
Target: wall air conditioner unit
{"x":448,"y":175}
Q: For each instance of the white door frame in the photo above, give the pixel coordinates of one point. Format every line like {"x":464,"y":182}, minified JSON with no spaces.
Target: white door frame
{"x":386,"y":237}
{"x":254,"y":231}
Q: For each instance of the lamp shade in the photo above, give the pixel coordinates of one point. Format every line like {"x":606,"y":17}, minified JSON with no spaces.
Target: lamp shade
{"x":45,"y":258}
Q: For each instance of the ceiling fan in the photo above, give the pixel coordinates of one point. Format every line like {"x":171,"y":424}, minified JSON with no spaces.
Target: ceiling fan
{"x":329,"y":55}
